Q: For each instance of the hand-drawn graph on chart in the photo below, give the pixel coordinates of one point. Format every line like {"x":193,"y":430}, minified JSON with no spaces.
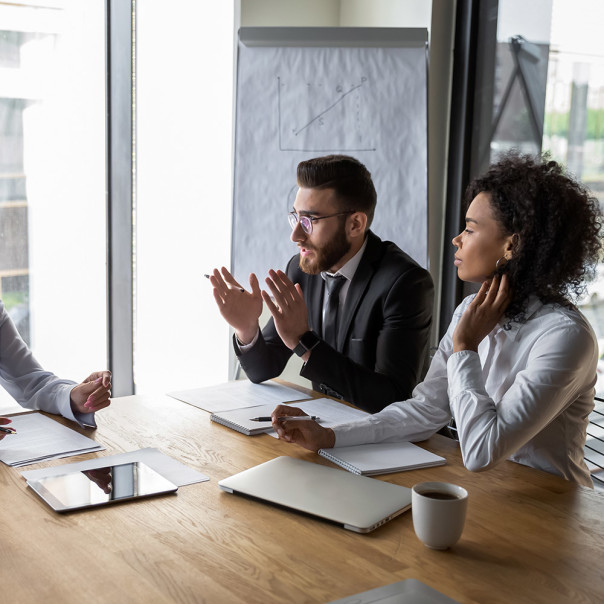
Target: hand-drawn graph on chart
{"x":324,"y":116}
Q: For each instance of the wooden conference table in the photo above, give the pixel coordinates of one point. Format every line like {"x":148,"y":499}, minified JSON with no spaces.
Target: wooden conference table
{"x":529,"y":536}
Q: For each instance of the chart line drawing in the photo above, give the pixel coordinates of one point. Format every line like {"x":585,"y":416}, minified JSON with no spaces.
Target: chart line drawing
{"x":340,"y":125}
{"x":314,"y":119}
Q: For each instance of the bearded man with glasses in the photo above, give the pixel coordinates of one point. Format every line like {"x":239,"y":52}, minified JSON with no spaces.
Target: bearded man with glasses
{"x":357,"y":309}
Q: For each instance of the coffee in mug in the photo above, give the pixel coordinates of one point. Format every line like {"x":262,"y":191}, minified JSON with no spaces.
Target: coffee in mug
{"x":439,"y":513}
{"x":439,"y":495}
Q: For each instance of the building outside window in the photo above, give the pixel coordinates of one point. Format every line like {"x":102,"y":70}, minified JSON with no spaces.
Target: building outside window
{"x":52,"y":181}
{"x":541,"y":88}
{"x":574,"y":134}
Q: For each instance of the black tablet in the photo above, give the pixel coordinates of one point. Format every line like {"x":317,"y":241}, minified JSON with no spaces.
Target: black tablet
{"x":100,"y":486}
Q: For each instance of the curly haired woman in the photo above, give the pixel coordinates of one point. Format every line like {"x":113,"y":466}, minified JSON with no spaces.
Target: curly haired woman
{"x":517,"y":366}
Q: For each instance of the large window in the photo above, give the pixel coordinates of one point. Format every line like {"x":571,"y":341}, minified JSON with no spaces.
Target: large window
{"x":574,"y":134}
{"x":184,"y":88}
{"x":574,"y":117}
{"x":540,"y":87}
{"x":551,"y":62}
{"x":52,"y":180}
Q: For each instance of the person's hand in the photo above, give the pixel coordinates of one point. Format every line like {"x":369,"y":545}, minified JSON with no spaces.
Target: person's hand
{"x":93,"y":393}
{"x":483,"y":313}
{"x":308,"y":434}
{"x":3,"y":422}
{"x":289,"y":308}
{"x":240,"y":309}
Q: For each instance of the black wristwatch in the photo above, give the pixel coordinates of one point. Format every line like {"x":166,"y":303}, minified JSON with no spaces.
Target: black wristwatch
{"x":307,"y":342}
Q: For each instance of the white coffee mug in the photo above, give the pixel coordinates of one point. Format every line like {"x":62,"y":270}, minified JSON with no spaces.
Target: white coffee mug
{"x":439,"y":513}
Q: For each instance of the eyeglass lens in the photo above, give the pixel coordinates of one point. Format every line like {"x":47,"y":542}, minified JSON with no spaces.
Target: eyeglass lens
{"x":305,"y":222}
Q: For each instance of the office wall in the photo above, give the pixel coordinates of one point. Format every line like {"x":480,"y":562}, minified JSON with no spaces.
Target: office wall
{"x":290,"y":13}
{"x":333,"y":13}
{"x":385,"y":13}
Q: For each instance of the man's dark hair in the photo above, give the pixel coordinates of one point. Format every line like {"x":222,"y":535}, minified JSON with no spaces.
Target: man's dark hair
{"x":558,"y":224}
{"x":347,"y":176}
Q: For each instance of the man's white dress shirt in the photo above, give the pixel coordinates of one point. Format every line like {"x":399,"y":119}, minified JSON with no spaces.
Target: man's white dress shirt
{"x":27,"y":382}
{"x":525,"y":396}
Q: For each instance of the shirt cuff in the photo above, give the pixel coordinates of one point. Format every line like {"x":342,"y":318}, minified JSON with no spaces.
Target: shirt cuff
{"x":245,"y":347}
{"x":85,"y":420}
{"x":353,"y":433}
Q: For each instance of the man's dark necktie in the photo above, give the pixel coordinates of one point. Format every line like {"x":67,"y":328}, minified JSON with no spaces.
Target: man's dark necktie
{"x":330,"y":322}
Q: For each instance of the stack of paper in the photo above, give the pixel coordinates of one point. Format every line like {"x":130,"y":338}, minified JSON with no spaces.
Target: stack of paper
{"x":40,"y":438}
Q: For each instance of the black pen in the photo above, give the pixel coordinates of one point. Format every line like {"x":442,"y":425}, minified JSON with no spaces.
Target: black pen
{"x":208,"y":276}
{"x":8,"y":430}
{"x":285,"y":417}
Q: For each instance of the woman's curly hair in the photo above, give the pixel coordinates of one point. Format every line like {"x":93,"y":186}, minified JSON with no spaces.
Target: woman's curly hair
{"x":558,"y":226}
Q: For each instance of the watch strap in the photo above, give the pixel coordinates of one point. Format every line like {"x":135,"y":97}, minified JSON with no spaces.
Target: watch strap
{"x":300,"y":350}
{"x":307,"y":342}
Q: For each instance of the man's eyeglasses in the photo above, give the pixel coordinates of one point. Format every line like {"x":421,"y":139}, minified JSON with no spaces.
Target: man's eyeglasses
{"x":306,"y":221}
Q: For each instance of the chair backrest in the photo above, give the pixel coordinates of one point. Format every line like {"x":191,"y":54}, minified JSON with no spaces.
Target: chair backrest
{"x":594,"y":445}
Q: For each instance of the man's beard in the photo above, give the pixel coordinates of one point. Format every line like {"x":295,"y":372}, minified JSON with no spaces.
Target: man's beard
{"x":326,"y":256}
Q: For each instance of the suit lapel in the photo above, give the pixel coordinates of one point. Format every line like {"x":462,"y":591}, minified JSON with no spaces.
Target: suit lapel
{"x":358,"y":286}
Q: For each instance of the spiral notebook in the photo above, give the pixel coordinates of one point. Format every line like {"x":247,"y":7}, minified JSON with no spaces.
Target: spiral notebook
{"x":382,"y":458}
{"x":240,"y":419}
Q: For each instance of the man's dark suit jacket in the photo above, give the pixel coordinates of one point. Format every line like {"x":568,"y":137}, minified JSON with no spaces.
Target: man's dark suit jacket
{"x":383,"y":331}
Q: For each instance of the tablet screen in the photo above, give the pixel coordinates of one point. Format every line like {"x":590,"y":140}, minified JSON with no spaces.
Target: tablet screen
{"x":100,"y":486}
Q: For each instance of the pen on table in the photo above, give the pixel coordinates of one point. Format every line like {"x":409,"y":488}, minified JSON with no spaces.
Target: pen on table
{"x":208,"y":276}
{"x":8,"y":430}
{"x":285,"y":417}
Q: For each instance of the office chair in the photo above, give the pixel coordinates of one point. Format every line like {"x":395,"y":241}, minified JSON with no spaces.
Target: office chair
{"x":594,"y":445}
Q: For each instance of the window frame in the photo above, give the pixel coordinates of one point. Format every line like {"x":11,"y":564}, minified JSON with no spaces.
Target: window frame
{"x":121,"y":168}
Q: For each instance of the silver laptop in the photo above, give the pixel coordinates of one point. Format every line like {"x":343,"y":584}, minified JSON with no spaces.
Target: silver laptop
{"x":358,"y":503}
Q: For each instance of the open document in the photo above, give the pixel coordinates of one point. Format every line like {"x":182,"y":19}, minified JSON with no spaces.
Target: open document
{"x":40,"y":438}
{"x":238,"y":394}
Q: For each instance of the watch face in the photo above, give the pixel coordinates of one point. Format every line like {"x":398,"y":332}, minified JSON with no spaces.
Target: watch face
{"x":309,"y":340}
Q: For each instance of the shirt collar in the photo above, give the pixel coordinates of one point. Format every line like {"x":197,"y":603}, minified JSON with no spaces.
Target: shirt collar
{"x":350,"y":268}
{"x":511,"y":329}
